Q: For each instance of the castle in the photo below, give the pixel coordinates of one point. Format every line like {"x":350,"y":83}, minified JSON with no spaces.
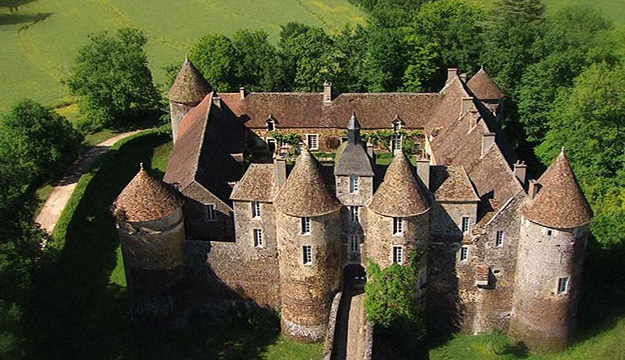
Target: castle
{"x":497,"y":250}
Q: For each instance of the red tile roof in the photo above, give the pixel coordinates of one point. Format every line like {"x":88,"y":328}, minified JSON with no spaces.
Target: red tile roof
{"x":484,"y":87}
{"x":560,"y":202}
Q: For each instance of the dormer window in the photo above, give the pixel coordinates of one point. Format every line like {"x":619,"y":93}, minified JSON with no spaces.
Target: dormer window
{"x":354,"y":183}
{"x":271,"y":124}
{"x":396,"y":126}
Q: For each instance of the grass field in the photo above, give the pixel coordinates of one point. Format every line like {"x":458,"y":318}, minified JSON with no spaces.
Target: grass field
{"x":39,"y":41}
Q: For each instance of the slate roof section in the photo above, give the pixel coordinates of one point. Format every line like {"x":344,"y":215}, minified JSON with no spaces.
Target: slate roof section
{"x":399,"y":195}
{"x":560,"y":202}
{"x":190,"y":86}
{"x":484,"y":87}
{"x":146,"y":199}
{"x":307,"y":110}
{"x":307,"y":191}
{"x":451,"y":183}
{"x":256,"y":185}
{"x":352,"y":159}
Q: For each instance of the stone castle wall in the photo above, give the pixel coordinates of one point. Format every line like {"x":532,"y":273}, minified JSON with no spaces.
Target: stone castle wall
{"x":542,"y":318}
{"x":307,"y":290}
{"x":177,"y":111}
{"x":349,"y":227}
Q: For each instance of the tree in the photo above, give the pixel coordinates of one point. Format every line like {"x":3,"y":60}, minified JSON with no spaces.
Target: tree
{"x":112,"y":79}
{"x":444,"y":33}
{"x":588,"y":120}
{"x":257,"y":64}
{"x":215,"y":57}
{"x":42,"y":141}
{"x":564,"y":49}
{"x":309,"y":57}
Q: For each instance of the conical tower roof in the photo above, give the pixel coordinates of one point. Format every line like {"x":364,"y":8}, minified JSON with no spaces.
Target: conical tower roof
{"x":484,"y":87}
{"x":560,"y":202}
{"x":190,"y":86}
{"x":399,"y":195}
{"x":306,"y":192}
{"x":145,"y":199}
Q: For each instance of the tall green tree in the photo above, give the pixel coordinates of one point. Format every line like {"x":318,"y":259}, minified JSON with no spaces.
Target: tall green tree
{"x":215,"y":57}
{"x":112,"y":79}
{"x":564,"y":52}
{"x":257,"y":64}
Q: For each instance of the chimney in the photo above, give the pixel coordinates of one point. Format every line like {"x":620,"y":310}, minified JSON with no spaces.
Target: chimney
{"x":279,"y":171}
{"x":467,"y":104}
{"x":242,"y":92}
{"x":327,"y":92}
{"x":423,"y":171}
{"x":370,"y":149}
{"x":217,"y":101}
{"x":488,"y":140}
{"x":534,"y":188}
{"x":463,"y":77}
{"x":520,"y":171}
{"x":451,"y":74}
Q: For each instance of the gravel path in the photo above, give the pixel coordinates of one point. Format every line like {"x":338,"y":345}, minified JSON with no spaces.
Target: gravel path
{"x":52,"y":209}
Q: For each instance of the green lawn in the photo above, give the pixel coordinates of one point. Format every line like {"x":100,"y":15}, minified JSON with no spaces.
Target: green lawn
{"x":78,"y":306}
{"x":40,"y":40}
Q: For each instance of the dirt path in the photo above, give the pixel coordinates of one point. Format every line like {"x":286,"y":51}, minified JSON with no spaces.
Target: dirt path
{"x":350,"y":336}
{"x":52,"y":209}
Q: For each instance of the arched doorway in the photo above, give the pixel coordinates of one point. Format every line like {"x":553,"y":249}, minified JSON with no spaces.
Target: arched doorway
{"x":354,"y":278}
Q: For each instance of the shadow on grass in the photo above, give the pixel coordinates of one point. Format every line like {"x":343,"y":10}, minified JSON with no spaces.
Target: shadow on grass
{"x":74,"y":312}
{"x":30,"y":19}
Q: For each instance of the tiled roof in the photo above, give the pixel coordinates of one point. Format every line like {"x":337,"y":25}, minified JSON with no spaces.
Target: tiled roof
{"x":451,"y":183}
{"x":306,"y":191}
{"x":145,"y":199}
{"x":256,"y":185}
{"x":307,"y":110}
{"x":560,"y":202}
{"x":399,"y":195}
{"x":352,"y":158}
{"x":190,"y":86}
{"x":484,"y":87}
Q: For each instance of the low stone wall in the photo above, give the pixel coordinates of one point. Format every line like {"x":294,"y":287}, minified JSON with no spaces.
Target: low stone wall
{"x":368,"y":348}
{"x":329,"y":343}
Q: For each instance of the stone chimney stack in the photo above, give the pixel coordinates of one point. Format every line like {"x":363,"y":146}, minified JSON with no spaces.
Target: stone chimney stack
{"x":279,"y":169}
{"x":533,"y":189}
{"x":463,"y":77}
{"x":467,"y":104}
{"x":451,"y":74}
{"x":423,"y":170}
{"x":327,"y":92}
{"x":242,"y":92}
{"x":488,"y":140}
{"x":520,"y":171}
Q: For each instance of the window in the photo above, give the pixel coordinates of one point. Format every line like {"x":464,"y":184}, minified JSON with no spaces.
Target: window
{"x":398,"y":226}
{"x":465,"y":224}
{"x":305,"y":226}
{"x":398,"y":254}
{"x":499,"y":239}
{"x":354,"y":183}
{"x":549,"y":232}
{"x":464,"y":253}
{"x":355,"y":211}
{"x":209,"y":212}
{"x":563,"y":285}
{"x":255,"y":209}
{"x":307,"y":255}
{"x":397,"y":126}
{"x":354,"y":243}
{"x":258,"y":238}
{"x":271,"y":124}
{"x":396,"y":142}
{"x":313,"y":142}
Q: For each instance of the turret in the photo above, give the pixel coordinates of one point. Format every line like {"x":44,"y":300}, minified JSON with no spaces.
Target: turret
{"x":309,"y":252}
{"x":189,"y":89}
{"x":354,"y":188}
{"x":488,"y":92}
{"x":150,"y":224}
{"x":554,"y":228}
{"x":399,"y":218}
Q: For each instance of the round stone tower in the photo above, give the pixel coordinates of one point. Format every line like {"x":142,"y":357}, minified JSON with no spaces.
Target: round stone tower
{"x":309,"y":249}
{"x":189,"y":89}
{"x":399,"y":218}
{"x":554,"y":227}
{"x":150,"y":224}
